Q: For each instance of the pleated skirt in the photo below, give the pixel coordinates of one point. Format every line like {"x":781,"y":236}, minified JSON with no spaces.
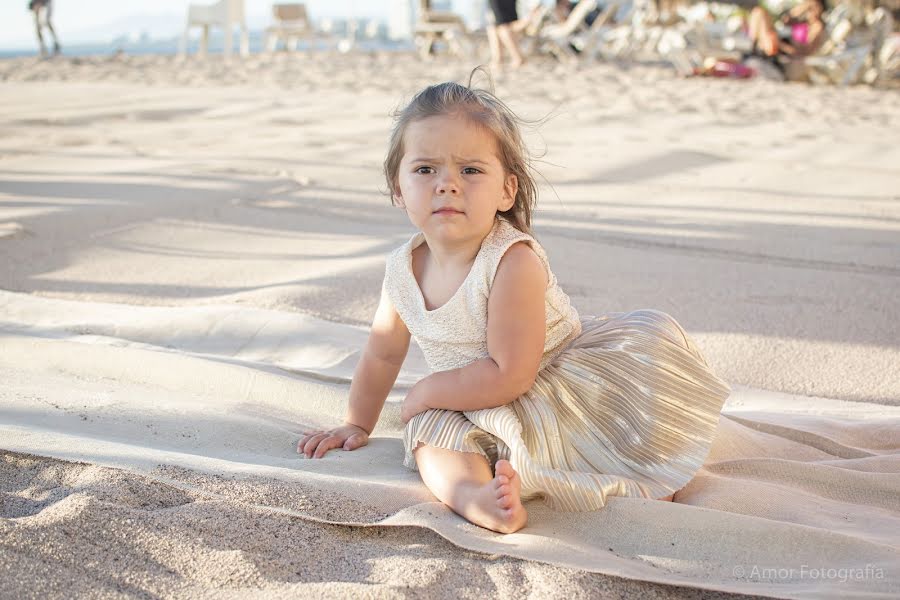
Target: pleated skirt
{"x":628,"y":408}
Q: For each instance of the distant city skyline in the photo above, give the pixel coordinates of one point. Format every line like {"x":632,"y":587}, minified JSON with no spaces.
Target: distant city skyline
{"x":80,"y":21}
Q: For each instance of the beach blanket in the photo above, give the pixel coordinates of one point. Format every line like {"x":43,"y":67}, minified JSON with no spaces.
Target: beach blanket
{"x":798,"y":498}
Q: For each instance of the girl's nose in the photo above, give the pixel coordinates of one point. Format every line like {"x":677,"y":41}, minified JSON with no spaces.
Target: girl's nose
{"x":447,"y":185}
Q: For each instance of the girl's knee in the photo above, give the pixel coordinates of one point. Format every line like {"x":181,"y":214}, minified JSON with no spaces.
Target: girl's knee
{"x":432,"y":415}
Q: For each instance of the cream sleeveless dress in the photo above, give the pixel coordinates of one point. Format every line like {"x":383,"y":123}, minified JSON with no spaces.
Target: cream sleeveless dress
{"x":623,"y":405}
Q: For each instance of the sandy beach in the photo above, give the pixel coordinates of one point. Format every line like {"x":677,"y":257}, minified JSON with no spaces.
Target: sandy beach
{"x":192,"y":252}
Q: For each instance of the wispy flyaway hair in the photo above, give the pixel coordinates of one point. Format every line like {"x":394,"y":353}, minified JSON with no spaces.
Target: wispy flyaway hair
{"x":485,"y":109}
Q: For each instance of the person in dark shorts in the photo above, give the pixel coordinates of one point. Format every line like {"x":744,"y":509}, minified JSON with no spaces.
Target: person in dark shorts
{"x":43,"y":12}
{"x":502,"y":35}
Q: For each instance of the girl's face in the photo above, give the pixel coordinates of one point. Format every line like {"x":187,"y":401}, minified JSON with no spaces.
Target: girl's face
{"x":451,"y":180}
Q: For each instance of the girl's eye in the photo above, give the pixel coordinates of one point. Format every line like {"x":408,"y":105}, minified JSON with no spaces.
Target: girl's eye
{"x":425,"y":170}
{"x":471,"y":171}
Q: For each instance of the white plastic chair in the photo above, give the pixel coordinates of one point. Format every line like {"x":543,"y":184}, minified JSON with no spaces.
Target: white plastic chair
{"x":433,"y":26}
{"x":224,"y":14}
{"x":291,"y":24}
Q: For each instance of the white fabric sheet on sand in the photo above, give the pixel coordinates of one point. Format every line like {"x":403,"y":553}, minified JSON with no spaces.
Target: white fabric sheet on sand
{"x":799,"y":497}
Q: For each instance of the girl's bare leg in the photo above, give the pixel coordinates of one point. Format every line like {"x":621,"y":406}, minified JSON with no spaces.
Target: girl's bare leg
{"x":508,"y":38}
{"x":463,"y":481}
{"x":494,"y":43}
{"x":670,"y":497}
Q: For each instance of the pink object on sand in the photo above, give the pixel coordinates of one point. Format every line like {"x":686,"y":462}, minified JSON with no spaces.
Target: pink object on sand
{"x":724,"y":68}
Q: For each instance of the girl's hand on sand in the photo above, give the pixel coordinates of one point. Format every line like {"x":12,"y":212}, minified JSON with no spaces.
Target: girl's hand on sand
{"x":347,"y":437}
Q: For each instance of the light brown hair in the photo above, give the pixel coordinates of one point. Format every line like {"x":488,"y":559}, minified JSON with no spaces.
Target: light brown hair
{"x":486,"y":110}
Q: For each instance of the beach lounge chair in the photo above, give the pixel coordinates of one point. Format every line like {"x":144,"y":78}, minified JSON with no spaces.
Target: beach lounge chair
{"x":887,"y":62}
{"x":558,"y":38}
{"x":636,"y":31}
{"x":291,"y":25}
{"x":590,"y":42}
{"x":434,"y":26}
{"x":704,"y":32}
{"x":224,"y":14}
{"x":843,"y":61}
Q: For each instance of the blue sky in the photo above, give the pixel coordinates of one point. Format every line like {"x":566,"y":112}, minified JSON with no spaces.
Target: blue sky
{"x":103,"y":20}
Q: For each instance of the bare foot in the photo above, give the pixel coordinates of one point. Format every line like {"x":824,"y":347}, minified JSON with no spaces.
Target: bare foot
{"x":508,"y":511}
{"x":495,"y":505}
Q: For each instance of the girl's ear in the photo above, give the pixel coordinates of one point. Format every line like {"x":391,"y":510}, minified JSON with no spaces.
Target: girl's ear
{"x":510,"y":189}
{"x":398,"y":199}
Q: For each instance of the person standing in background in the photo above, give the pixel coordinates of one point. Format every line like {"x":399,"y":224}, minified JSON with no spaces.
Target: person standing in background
{"x":43,"y":12}
{"x":501,"y":32}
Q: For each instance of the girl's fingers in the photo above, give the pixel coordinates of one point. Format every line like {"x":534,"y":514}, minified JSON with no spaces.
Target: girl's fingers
{"x":305,"y":439}
{"x":327,"y":444}
{"x":317,"y":443}
{"x":311,"y":444}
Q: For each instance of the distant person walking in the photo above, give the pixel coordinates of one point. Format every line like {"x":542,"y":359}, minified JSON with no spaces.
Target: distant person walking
{"x":43,"y":12}
{"x":502,"y":32}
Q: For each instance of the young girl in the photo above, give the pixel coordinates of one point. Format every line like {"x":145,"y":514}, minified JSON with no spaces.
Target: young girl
{"x":526,"y":399}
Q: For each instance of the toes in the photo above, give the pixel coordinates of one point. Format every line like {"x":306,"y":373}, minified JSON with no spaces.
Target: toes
{"x":504,"y":468}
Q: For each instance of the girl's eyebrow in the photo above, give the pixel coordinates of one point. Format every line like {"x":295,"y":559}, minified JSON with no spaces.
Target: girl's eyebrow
{"x":463,"y":160}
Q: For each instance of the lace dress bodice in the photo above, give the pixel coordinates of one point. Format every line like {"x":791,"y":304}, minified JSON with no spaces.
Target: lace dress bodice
{"x":455,"y":334}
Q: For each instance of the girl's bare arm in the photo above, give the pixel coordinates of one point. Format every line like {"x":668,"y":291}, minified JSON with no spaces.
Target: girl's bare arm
{"x":373,"y":378}
{"x":378,"y":366}
{"x":516,"y":331}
